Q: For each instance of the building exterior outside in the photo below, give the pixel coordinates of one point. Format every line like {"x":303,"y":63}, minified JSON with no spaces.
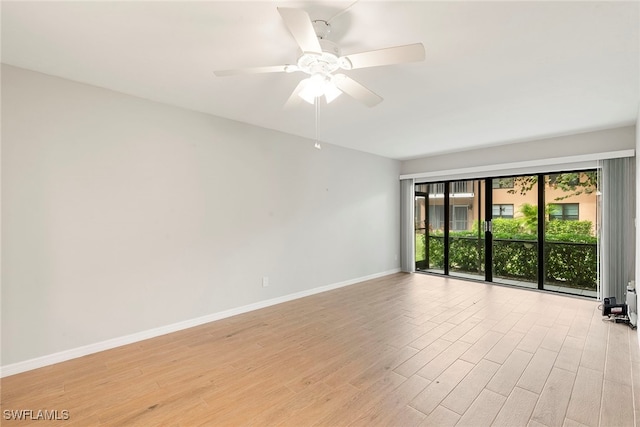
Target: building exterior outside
{"x":466,"y":203}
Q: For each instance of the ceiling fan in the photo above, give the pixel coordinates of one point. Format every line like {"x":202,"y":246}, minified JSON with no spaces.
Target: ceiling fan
{"x":321,"y":59}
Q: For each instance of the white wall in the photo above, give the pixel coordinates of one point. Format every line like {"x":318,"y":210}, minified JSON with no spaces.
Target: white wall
{"x":622,"y":138}
{"x":120,"y":215}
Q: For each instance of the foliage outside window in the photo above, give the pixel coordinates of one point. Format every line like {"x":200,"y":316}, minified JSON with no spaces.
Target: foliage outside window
{"x":571,"y":179}
{"x":497,"y":183}
{"x":570,"y":250}
{"x":571,"y":183}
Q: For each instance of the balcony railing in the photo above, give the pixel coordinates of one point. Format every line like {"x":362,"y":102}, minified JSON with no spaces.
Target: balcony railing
{"x":568,"y":264}
{"x":457,"y":187}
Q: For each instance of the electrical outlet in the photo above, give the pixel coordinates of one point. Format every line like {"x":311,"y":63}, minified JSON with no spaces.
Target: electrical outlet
{"x":265,"y":281}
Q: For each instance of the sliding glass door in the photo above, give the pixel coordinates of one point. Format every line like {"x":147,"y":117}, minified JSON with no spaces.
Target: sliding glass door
{"x":514,"y":218}
{"x":570,"y":233}
{"x":536,"y":231}
{"x":466,"y":238}
{"x":430,"y":227}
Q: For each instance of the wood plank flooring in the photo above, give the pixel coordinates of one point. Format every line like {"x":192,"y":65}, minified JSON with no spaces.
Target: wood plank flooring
{"x":404,"y":350}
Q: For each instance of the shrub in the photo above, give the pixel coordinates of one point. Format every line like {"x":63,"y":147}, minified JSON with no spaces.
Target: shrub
{"x":572,"y":264}
{"x":466,"y":252}
{"x":436,"y":250}
{"x":515,"y":259}
{"x":570,"y":252}
{"x":578,"y":228}
{"x":507,"y":226}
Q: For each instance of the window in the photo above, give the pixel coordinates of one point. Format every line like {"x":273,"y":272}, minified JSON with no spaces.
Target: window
{"x":564,"y":211}
{"x":459,"y":218}
{"x":502,"y":183}
{"x":436,"y":217}
{"x":502,"y":211}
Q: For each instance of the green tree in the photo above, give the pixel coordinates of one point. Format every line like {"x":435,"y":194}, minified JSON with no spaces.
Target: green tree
{"x":529,"y":218}
{"x":575,"y":183}
{"x":571,"y":183}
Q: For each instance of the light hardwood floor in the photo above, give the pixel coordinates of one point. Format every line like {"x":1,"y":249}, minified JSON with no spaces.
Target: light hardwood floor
{"x":403,"y":350}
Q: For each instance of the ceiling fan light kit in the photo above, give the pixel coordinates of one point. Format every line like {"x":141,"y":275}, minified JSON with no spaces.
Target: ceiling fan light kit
{"x":318,"y":85}
{"x":321,"y":58}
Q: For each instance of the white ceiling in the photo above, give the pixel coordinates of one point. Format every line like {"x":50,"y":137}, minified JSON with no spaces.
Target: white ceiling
{"x":495,"y":72}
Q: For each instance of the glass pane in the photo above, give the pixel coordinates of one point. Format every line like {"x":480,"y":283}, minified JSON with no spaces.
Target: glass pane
{"x":429,"y":227}
{"x":570,"y":252}
{"x":420,"y":230}
{"x":466,"y":240}
{"x":434,"y":243}
{"x":515,"y":232}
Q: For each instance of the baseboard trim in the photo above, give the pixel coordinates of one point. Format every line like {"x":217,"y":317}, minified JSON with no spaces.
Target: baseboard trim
{"x":62,"y":356}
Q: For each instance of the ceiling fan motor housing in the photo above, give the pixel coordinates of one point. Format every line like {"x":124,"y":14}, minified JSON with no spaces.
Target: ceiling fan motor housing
{"x":323,"y":63}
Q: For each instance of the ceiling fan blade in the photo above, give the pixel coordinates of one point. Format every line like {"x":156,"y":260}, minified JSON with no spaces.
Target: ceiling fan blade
{"x":295,"y":99}
{"x":356,"y":90}
{"x":391,"y":55}
{"x":257,"y":70}
{"x":301,"y":28}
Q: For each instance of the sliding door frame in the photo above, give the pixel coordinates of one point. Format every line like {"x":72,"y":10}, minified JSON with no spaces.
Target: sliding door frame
{"x":542,"y":219}
{"x":488,"y":222}
{"x":447,"y":224}
{"x":488,"y":230}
